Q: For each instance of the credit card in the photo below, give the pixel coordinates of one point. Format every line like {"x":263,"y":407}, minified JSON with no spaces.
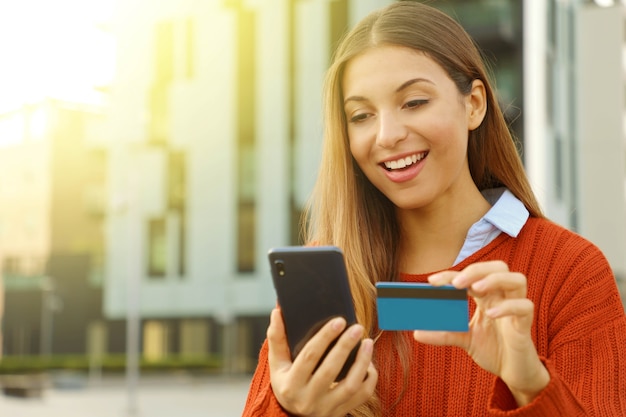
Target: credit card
{"x":418,"y":306}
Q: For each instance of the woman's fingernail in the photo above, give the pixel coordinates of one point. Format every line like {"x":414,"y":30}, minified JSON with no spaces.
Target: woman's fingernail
{"x":459,"y":281}
{"x":338,"y":323}
{"x":435,"y":278}
{"x":356,"y":332}
{"x":368,"y":346}
{"x":493,"y":312}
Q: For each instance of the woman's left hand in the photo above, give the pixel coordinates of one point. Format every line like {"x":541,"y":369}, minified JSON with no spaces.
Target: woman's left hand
{"x":499,"y":338}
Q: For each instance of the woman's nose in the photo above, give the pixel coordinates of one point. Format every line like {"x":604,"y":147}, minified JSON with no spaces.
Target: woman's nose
{"x":391,"y":130}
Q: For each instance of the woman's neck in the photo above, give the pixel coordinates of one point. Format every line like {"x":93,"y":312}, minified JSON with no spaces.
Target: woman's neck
{"x":432,"y":237}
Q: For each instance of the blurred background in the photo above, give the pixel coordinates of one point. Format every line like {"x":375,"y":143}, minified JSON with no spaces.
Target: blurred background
{"x":151,"y":152}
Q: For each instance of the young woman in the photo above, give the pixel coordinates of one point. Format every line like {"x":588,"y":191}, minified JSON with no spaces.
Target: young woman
{"x":420,"y":181}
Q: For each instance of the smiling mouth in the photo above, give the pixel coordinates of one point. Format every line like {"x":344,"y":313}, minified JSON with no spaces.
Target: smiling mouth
{"x":405,"y":162}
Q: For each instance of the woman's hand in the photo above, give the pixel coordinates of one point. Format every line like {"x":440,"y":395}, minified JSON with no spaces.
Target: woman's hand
{"x":302,"y":391}
{"x":499,"y":338}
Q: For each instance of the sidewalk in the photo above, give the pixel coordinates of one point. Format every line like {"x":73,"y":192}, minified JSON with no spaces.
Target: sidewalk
{"x":162,"y":396}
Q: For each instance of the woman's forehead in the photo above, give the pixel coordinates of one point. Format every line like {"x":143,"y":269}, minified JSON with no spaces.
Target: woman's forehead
{"x":389,"y":64}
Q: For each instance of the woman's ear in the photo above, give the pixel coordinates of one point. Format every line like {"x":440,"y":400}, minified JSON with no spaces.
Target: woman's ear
{"x":476,"y":104}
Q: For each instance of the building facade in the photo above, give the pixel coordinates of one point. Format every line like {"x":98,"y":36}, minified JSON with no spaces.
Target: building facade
{"x":216,"y":126}
{"x":52,"y":211}
{"x":575,"y":139}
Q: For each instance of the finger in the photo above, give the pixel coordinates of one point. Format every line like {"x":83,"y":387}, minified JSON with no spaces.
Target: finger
{"x":442,"y":338}
{"x":312,"y":352}
{"x":355,"y":391}
{"x":442,"y":278}
{"x":477,"y":271}
{"x":371,"y":379}
{"x":279,"y":356}
{"x":512,"y":283}
{"x":359,"y":369}
{"x":518,"y":307}
{"x":336,"y":358}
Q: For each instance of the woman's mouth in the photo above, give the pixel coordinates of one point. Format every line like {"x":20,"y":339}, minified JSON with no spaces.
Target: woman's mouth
{"x":403,"y":163}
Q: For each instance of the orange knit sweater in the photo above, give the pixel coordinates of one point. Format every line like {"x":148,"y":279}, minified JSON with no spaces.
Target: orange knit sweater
{"x":579,"y":331}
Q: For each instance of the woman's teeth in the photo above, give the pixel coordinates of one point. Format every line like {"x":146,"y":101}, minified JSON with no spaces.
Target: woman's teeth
{"x":404,"y":162}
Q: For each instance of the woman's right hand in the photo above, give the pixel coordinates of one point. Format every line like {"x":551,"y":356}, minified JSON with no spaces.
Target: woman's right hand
{"x":303,"y":392}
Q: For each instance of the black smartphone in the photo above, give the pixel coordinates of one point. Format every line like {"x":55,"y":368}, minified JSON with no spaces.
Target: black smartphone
{"x":312,"y":287}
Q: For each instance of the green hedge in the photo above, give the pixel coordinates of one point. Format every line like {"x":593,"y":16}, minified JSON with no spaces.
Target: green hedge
{"x":115,"y":363}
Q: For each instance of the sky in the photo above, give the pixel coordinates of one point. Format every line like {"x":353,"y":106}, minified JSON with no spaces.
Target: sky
{"x":54,"y":48}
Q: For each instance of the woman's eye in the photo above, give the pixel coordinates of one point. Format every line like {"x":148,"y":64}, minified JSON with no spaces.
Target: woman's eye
{"x":358,"y":118}
{"x":415,"y":103}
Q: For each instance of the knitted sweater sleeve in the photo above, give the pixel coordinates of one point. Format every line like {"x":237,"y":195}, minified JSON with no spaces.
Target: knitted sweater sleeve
{"x":261,"y":401}
{"x":584,"y":344}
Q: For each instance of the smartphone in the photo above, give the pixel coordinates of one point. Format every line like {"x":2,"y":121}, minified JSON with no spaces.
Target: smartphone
{"x":417,"y":306}
{"x":312,"y":287}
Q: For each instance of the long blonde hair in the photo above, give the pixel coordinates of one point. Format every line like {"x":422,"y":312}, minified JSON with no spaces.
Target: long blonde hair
{"x":345,"y":209}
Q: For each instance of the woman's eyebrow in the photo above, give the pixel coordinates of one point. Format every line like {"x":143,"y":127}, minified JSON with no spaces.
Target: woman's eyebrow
{"x":413,"y":81}
{"x":402,"y":87}
{"x":354,"y":98}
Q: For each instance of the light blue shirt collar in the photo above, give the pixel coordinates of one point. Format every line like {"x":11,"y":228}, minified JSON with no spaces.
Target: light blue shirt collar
{"x":507,"y":214}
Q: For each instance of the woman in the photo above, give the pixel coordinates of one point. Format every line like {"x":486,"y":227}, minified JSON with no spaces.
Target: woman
{"x":432,"y":190}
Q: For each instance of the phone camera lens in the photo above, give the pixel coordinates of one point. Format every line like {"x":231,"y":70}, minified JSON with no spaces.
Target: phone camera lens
{"x":280,"y":268}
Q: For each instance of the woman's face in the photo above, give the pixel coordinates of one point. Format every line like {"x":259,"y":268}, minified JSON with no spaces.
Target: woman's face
{"x":408,"y":125}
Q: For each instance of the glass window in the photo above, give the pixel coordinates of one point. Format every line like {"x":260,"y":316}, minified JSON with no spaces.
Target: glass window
{"x":157,"y":247}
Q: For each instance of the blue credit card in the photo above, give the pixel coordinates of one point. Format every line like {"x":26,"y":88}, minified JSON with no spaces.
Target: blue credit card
{"x":417,"y":306}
